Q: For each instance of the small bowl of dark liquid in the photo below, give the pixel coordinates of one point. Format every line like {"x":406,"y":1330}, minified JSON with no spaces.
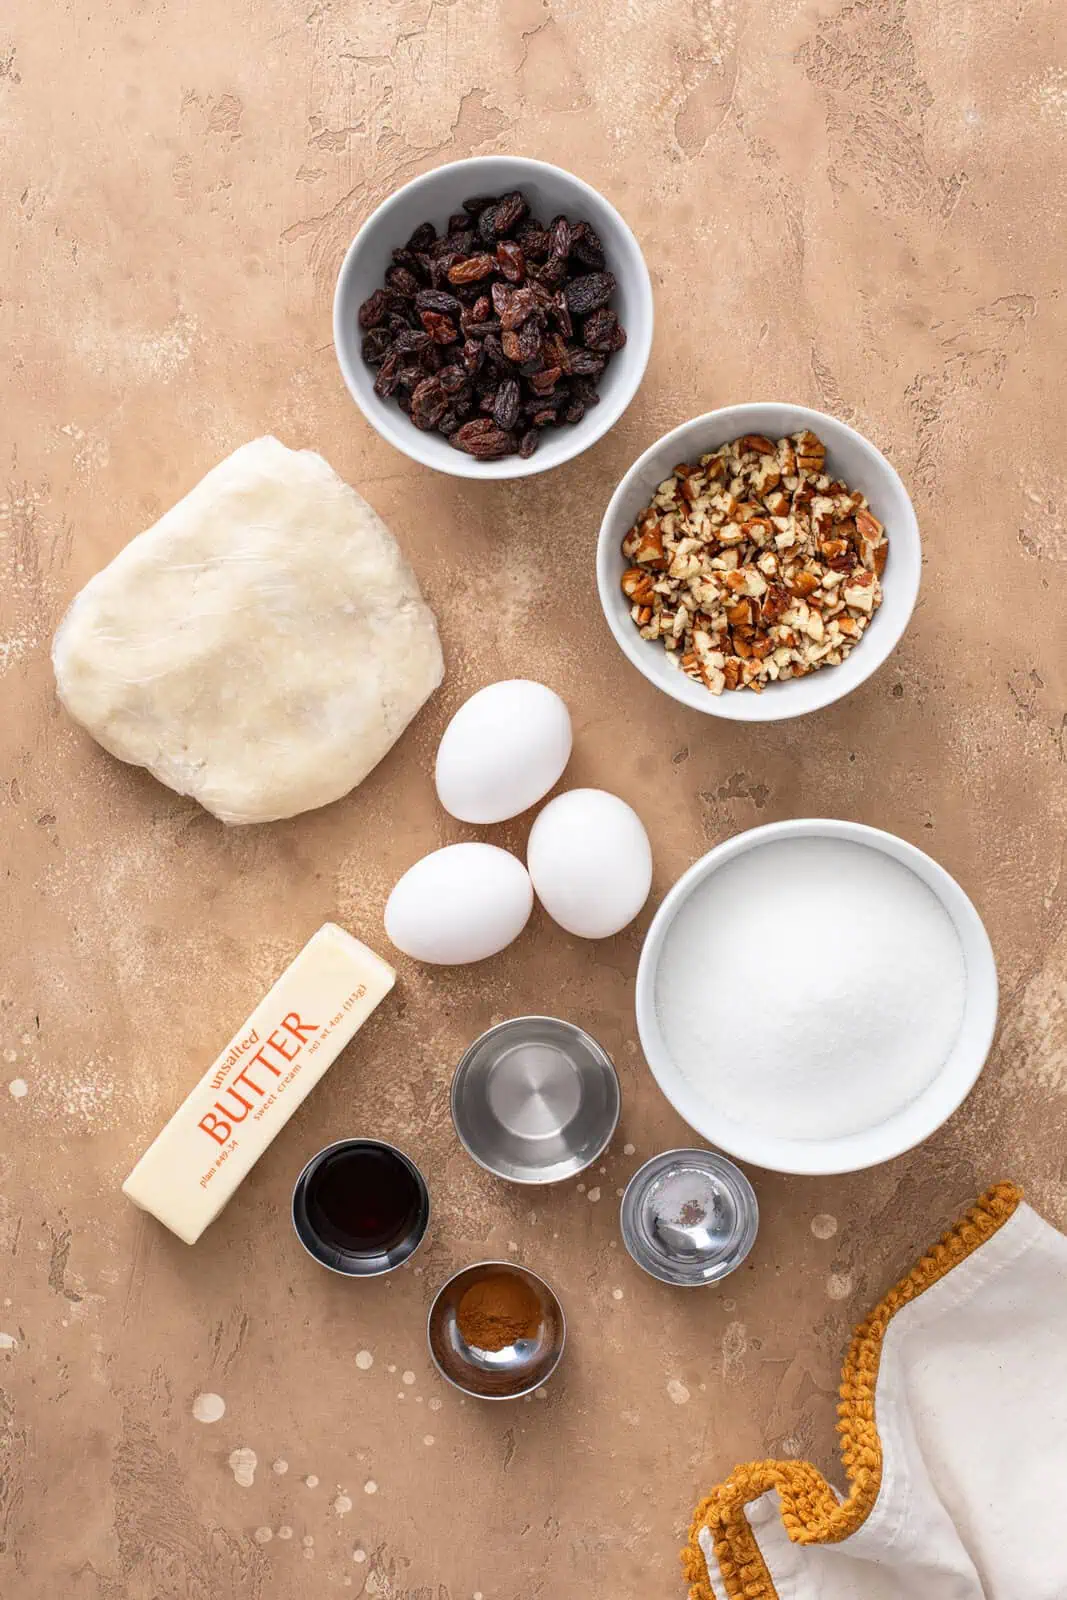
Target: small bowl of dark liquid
{"x":361,"y":1207}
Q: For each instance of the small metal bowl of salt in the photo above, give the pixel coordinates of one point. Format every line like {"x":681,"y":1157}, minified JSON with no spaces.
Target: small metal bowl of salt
{"x":535,"y":1100}
{"x":689,"y":1217}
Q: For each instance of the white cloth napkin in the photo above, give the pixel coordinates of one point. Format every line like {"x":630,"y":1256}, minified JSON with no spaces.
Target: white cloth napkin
{"x":954,"y":1441}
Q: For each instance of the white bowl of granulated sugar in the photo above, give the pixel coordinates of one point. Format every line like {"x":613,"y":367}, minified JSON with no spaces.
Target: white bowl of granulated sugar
{"x":816,"y":996}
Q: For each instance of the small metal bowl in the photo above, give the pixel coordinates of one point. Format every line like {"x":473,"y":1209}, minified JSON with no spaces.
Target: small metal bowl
{"x":535,"y":1100}
{"x":689,"y":1217}
{"x":317,"y":1235}
{"x":505,"y":1374}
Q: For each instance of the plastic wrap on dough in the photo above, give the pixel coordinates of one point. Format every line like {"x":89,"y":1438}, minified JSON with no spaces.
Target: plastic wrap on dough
{"x":261,"y":647}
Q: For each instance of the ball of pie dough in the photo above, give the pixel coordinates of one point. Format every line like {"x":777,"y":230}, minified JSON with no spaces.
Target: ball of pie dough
{"x":260,"y":648}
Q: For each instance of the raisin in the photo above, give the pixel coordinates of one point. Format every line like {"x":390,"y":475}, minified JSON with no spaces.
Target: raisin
{"x":423,"y":237}
{"x":473,"y":356}
{"x":472,"y":269}
{"x":544,"y":297}
{"x":545,"y":381}
{"x":413,"y":341}
{"x":482,"y":309}
{"x":586,"y":246}
{"x":506,"y":405}
{"x":467,"y":317}
{"x":437,"y":300}
{"x":443,"y":247}
{"x":528,"y":443}
{"x":481,"y":330}
{"x":554,"y":272}
{"x":487,"y":402}
{"x":477,"y":204}
{"x":494,"y":351}
{"x":509,"y":212}
{"x":482,"y":439}
{"x":562,"y":315}
{"x":484,"y":228}
{"x":510,"y":260}
{"x":531,"y":338}
{"x":419,"y":266}
{"x":525,"y":344}
{"x":554,"y":350}
{"x":534,"y":239}
{"x":442,"y":330}
{"x":602,"y":331}
{"x":388,"y":379}
{"x":448,"y":423}
{"x":375,"y":309}
{"x":452,"y":378}
{"x":575,"y":410}
{"x":545,"y":418}
{"x":519,"y":305}
{"x":560,"y":238}
{"x":458,"y":222}
{"x":589,"y":292}
{"x":585,"y":390}
{"x":462,"y":242}
{"x":376,"y":345}
{"x":583,"y":363}
{"x":403,"y":282}
{"x":429,"y":402}
{"x":439,"y":267}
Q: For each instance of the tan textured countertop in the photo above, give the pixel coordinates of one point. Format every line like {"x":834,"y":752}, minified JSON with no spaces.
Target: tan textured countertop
{"x":851,"y":205}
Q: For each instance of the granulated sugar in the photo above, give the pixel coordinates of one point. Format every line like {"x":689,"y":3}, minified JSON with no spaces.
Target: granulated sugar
{"x":810,"y":988}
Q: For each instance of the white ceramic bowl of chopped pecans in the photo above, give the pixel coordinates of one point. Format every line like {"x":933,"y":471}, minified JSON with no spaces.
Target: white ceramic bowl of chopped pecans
{"x":759,"y":562}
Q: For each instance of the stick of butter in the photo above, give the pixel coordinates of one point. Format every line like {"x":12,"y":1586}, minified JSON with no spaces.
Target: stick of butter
{"x":251,"y":1090}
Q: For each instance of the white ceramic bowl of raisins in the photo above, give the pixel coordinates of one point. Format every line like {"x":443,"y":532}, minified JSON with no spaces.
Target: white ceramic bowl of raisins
{"x":850,"y":459}
{"x":599,"y":242}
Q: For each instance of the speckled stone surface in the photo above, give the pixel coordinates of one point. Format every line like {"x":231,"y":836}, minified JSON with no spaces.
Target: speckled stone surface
{"x":850,"y":205}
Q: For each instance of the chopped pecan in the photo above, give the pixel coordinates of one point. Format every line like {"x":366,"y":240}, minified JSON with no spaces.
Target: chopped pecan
{"x":637,"y":586}
{"x":804,"y":583}
{"x":649,"y":551}
{"x":811,"y":452}
{"x":741,"y":615}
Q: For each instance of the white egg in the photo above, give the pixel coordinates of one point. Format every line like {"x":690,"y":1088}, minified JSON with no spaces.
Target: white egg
{"x":459,"y":904}
{"x":504,"y":748}
{"x":590,"y":861}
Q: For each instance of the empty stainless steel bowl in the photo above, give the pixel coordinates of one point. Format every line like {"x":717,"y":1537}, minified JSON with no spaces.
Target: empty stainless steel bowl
{"x":505,"y":1374}
{"x":535,"y":1100}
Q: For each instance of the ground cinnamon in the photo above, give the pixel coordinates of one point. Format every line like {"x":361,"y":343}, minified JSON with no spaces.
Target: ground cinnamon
{"x":495,"y":1312}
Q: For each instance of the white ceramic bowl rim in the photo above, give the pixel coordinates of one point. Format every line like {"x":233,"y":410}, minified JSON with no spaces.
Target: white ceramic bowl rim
{"x":907,"y":1127}
{"x":890,"y":500}
{"x":563,"y":444}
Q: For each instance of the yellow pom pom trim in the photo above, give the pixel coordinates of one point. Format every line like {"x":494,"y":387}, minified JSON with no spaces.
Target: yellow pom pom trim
{"x":811,"y":1511}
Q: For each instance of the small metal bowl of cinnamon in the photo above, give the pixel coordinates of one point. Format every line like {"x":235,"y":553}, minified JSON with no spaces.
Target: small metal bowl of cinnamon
{"x":496,"y":1331}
